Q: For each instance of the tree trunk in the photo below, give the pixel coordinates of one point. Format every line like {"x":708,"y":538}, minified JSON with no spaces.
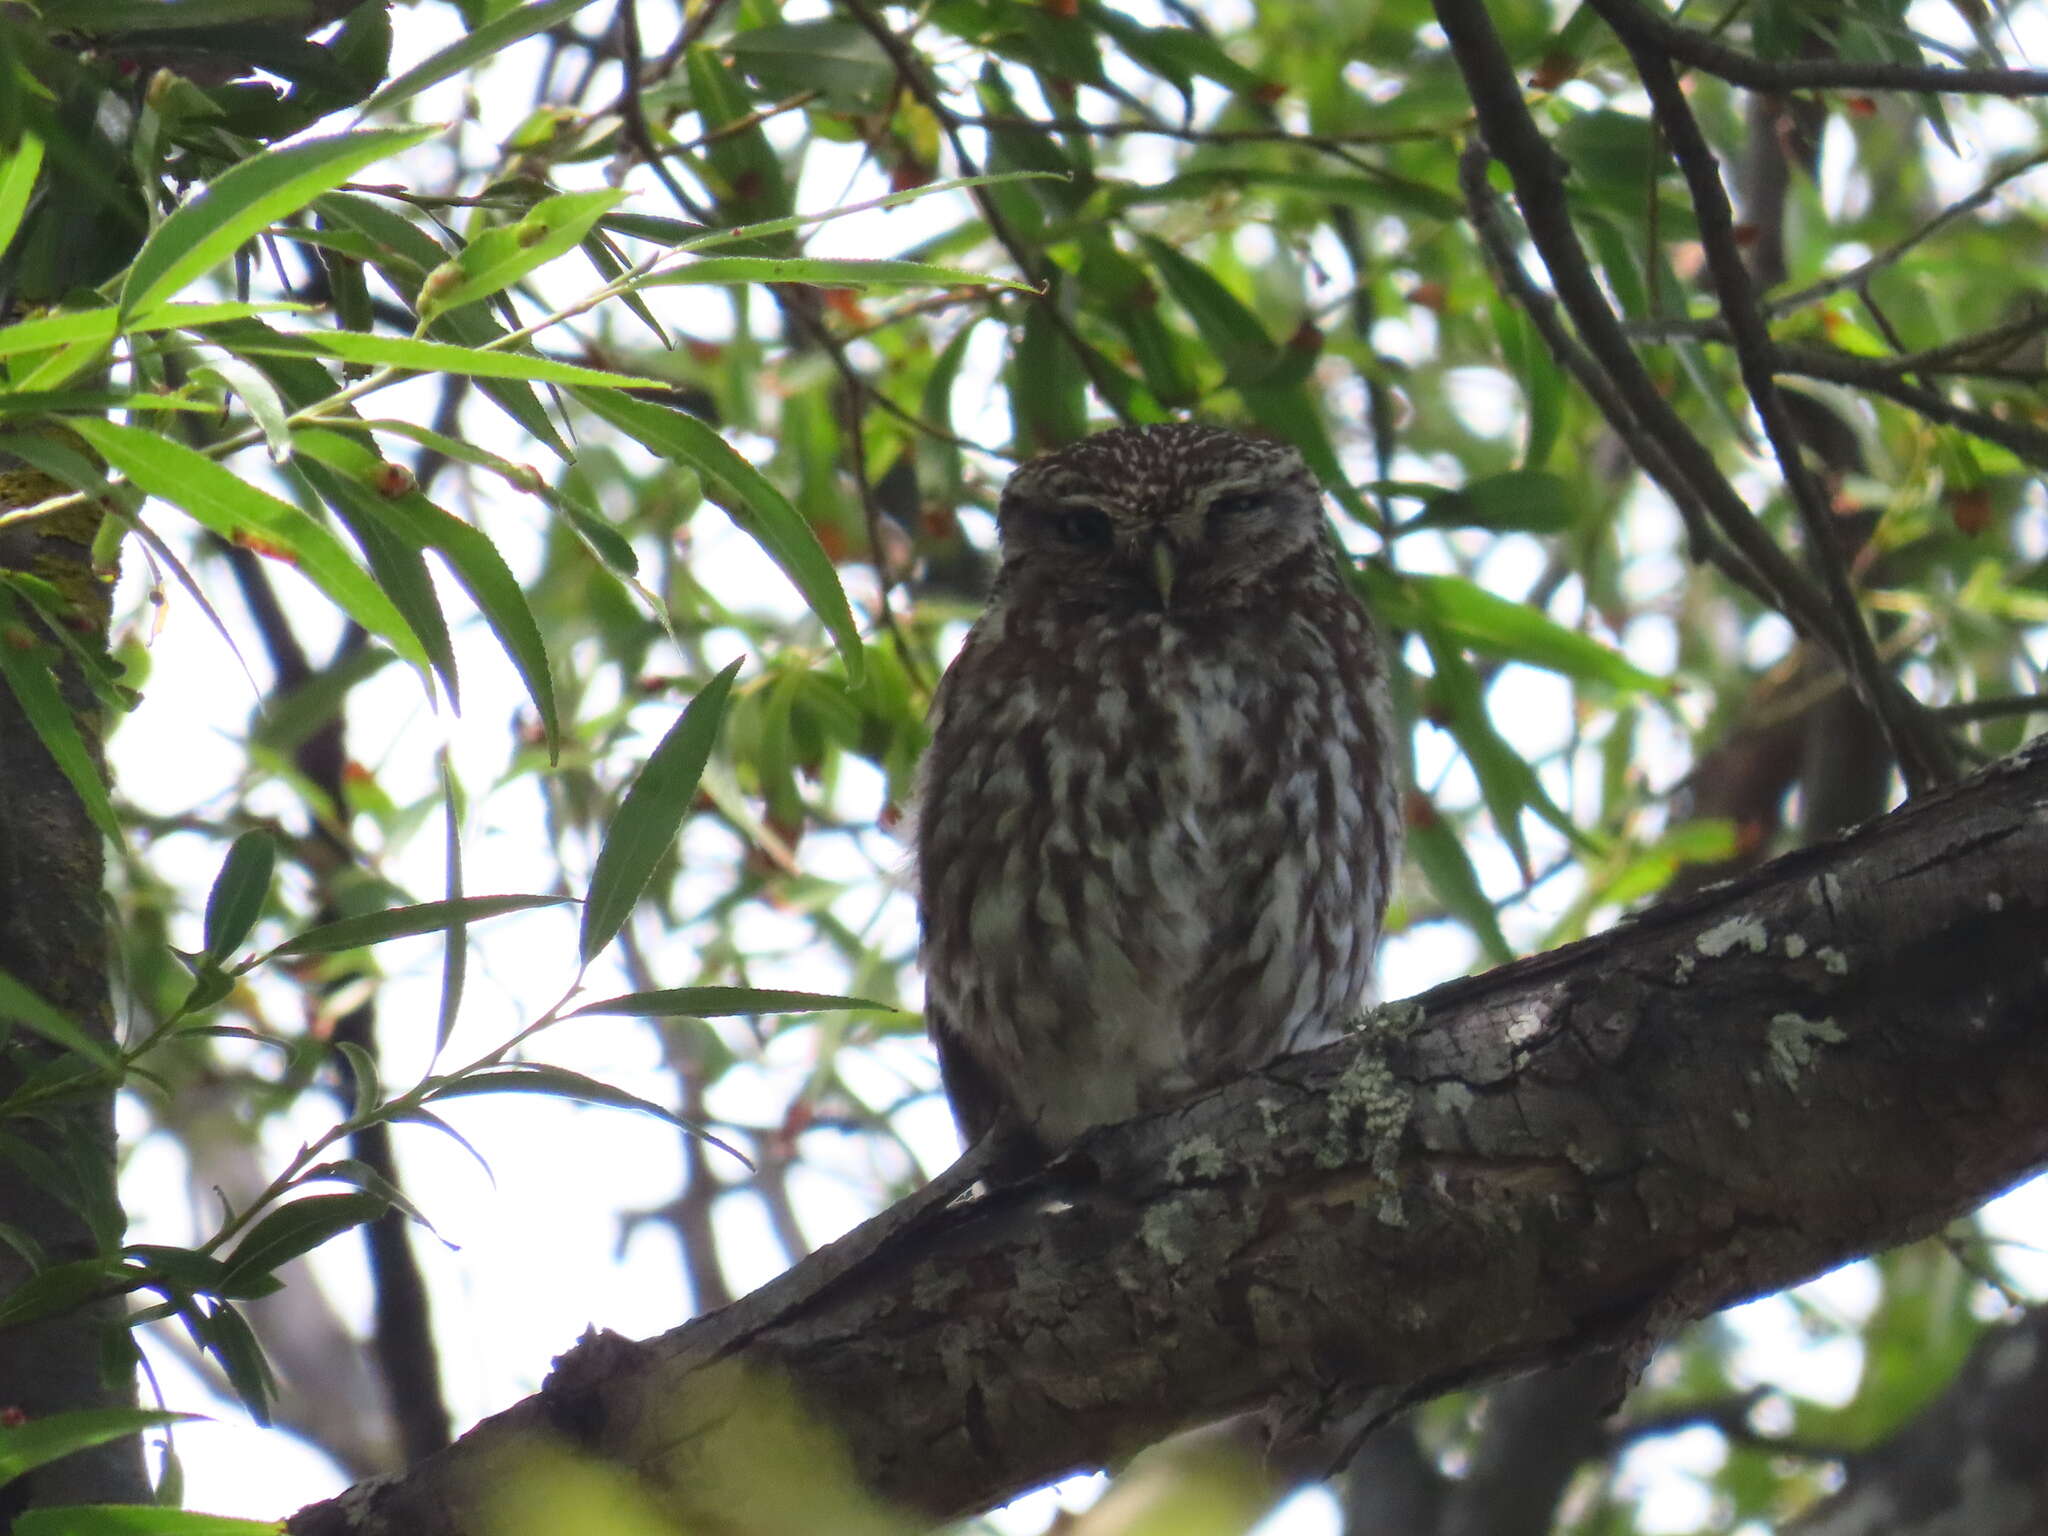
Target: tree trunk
{"x":57,"y":1166}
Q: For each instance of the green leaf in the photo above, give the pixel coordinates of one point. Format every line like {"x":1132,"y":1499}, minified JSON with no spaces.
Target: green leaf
{"x":486,"y":42}
{"x":103,"y":18}
{"x":21,"y":1004}
{"x":28,"y":671}
{"x":828,"y":272}
{"x":38,"y":1442}
{"x":1519,"y":501}
{"x":500,"y":255}
{"x":744,"y":167}
{"x":718,"y":1003}
{"x":561,"y":1083}
{"x":244,"y":201}
{"x":362,"y":1072}
{"x":257,"y":394}
{"x":409,"y":518}
{"x":135,"y":1520}
{"x":402,"y":922}
{"x":647,"y":819}
{"x":756,"y":507}
{"x":435,"y":357}
{"x":295,"y":1228}
{"x":409,"y":254}
{"x":839,"y":59}
{"x":393,"y":556}
{"x":1048,"y":387}
{"x":217,"y":499}
{"x":238,"y":893}
{"x":454,"y":953}
{"x":1232,"y":331}
{"x":1437,"y":851}
{"x":17,"y":180}
{"x":233,"y":1343}
{"x":63,"y":1287}
{"x":101,"y":324}
{"x":1496,"y":626}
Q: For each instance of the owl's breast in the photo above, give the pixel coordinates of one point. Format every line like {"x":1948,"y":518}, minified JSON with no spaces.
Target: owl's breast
{"x":1125,"y":893}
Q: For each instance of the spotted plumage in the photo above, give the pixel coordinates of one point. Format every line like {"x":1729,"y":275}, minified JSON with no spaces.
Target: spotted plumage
{"x":1160,"y":812}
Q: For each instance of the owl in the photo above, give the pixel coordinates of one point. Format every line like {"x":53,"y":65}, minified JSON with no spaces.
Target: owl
{"x":1160,"y":811}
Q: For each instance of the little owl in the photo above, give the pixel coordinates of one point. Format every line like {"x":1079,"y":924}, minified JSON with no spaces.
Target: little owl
{"x":1160,"y":812}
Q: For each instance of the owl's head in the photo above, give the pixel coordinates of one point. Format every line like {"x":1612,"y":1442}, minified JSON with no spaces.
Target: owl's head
{"x":1183,"y":519}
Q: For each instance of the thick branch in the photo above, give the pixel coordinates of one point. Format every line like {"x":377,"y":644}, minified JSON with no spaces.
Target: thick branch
{"x":1837,"y":1053}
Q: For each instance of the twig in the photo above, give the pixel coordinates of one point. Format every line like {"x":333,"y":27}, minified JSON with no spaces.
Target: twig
{"x":1638,"y":26}
{"x":1483,"y":206}
{"x":1860,"y":273}
{"x":910,"y":75}
{"x":1880,"y":377}
{"x":1200,"y":135}
{"x":1923,"y":754}
{"x":1994,"y":709}
{"x":633,"y":114}
{"x":1511,"y":136}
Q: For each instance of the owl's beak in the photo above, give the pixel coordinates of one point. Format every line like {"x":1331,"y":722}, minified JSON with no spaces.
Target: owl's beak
{"x":1163,"y":570}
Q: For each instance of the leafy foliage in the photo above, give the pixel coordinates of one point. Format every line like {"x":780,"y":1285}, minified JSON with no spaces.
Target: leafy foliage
{"x":273,"y":328}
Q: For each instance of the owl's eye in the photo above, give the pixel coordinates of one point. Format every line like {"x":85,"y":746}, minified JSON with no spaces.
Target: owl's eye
{"x":1083,"y":527}
{"x":1239,"y":504}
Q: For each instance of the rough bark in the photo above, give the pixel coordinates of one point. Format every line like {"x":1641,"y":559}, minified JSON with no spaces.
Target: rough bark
{"x":1837,"y":1053}
{"x":57,"y":1170}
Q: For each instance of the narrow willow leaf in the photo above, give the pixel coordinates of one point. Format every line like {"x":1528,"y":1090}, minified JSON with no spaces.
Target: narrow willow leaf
{"x":296,"y":1228}
{"x":134,"y":1520}
{"x":650,"y":814}
{"x":500,"y":255}
{"x":402,"y":922}
{"x":257,"y":394}
{"x":37,"y":1441}
{"x":247,"y":199}
{"x":62,"y":1288}
{"x":455,"y":951}
{"x":436,"y":357}
{"x":829,"y":272}
{"x":409,"y":516}
{"x":394,"y":558}
{"x":695,"y":237}
{"x":113,"y":17}
{"x":238,"y":893}
{"x":1495,"y":626}
{"x":561,"y":1083}
{"x":17,"y":181}
{"x":27,"y":672}
{"x":21,"y":1004}
{"x":484,"y":43}
{"x":1233,"y":332}
{"x":100,"y":325}
{"x":410,"y":253}
{"x":1440,"y":855}
{"x":749,"y":499}
{"x":718,"y":1003}
{"x":1520,"y":500}
{"x":233,"y":1343}
{"x":744,"y":167}
{"x":216,"y":498}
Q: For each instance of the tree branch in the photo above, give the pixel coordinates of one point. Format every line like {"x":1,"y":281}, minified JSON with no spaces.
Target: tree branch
{"x":1568,"y":1153}
{"x":1636,"y":23}
{"x":1915,"y":740}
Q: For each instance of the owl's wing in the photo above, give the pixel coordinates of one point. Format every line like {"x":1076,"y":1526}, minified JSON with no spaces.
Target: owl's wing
{"x":977,"y":1101}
